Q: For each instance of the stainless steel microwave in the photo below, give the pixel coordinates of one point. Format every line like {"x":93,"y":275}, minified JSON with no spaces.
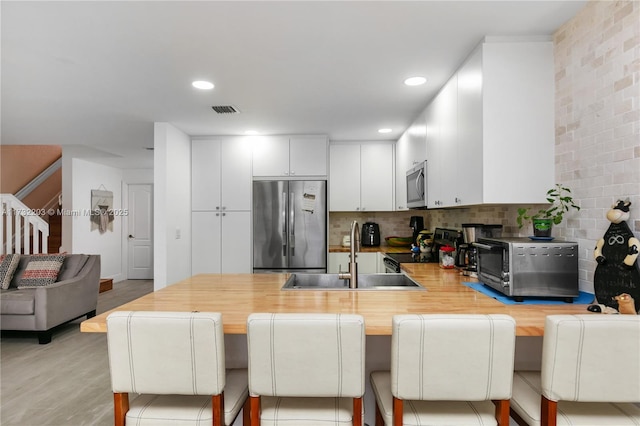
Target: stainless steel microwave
{"x":417,"y":186}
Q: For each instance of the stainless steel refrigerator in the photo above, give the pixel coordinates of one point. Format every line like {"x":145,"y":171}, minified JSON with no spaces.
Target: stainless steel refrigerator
{"x":290,"y":226}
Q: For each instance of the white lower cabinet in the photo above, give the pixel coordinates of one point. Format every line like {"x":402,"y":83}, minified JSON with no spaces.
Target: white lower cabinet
{"x":220,"y":242}
{"x":368,"y":263}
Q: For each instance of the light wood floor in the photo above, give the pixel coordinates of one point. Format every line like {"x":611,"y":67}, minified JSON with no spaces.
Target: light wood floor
{"x":64,"y":383}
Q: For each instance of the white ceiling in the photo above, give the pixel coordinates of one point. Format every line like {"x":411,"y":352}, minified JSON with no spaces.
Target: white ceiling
{"x":101,"y":73}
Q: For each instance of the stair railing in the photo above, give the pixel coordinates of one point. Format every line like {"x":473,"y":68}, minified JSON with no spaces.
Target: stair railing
{"x":22,"y":229}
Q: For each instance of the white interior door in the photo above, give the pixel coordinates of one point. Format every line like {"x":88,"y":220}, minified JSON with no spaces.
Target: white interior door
{"x":140,"y":226}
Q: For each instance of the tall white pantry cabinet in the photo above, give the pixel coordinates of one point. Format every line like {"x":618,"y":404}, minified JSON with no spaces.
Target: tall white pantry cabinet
{"x":221,"y":205}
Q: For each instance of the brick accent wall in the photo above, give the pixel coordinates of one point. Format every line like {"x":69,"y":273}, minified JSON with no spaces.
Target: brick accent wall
{"x":597,"y":61}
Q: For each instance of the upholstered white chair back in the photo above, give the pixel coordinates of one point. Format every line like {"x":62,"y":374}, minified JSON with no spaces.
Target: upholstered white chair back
{"x":591,"y":358}
{"x":166,"y":352}
{"x":452,"y":357}
{"x":306,"y":355}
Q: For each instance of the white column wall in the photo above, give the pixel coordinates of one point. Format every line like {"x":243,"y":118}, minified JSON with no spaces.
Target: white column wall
{"x":172,"y":205}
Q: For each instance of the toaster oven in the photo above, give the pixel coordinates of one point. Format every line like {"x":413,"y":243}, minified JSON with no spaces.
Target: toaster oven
{"x":520,"y":267}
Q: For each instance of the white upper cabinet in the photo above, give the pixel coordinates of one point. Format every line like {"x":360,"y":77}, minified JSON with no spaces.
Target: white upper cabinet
{"x":442,"y":150}
{"x":344,"y":177}
{"x":221,"y":174}
{"x":469,"y":143}
{"x":490,"y":130}
{"x":361,"y":176}
{"x":279,"y":156}
{"x":376,"y":177}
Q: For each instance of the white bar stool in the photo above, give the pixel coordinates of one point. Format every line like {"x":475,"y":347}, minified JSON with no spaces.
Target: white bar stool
{"x":306,"y":369}
{"x":590,"y":373}
{"x":175,"y":361}
{"x":447,"y":370}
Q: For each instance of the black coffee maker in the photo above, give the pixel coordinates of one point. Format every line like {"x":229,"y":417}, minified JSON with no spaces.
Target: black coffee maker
{"x":417,"y":224}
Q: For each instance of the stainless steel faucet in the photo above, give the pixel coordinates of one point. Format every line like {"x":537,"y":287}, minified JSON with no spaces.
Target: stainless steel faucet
{"x":352,"y":275}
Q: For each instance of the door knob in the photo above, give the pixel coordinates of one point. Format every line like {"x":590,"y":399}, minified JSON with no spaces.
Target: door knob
{"x":131,"y":237}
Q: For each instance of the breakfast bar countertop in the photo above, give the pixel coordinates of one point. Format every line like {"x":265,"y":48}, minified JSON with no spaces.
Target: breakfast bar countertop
{"x":238,"y":295}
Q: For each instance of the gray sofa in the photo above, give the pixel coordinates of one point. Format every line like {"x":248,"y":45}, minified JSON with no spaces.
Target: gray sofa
{"x":72,"y":296}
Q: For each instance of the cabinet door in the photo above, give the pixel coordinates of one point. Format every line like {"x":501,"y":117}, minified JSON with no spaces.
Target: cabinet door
{"x":449,"y":145}
{"x":205,"y":175}
{"x":236,"y":243}
{"x":376,"y":177}
{"x":308,"y":156}
{"x":402,"y":165}
{"x":344,"y":177}
{"x":271,"y":156}
{"x":205,"y":242}
{"x":367,"y":263}
{"x":338,"y":262}
{"x":434,"y":154}
{"x":469,"y":183}
{"x":235,"y":177}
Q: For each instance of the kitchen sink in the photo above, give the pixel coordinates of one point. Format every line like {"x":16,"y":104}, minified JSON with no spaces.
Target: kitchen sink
{"x":365,"y":282}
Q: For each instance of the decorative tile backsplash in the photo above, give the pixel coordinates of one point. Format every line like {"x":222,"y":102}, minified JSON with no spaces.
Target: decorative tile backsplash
{"x":397,"y":223}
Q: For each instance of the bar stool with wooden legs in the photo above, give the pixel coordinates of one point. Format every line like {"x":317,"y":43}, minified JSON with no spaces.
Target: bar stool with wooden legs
{"x":590,"y":373}
{"x":175,"y":362}
{"x":306,"y":369}
{"x":447,"y":370}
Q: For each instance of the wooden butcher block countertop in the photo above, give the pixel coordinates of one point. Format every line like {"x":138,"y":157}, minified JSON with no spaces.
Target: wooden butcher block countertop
{"x":238,"y":295}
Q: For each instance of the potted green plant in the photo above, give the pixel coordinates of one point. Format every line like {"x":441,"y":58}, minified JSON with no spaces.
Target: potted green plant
{"x":561,"y":201}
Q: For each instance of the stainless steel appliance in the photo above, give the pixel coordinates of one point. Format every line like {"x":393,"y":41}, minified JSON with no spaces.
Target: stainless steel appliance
{"x":417,"y":186}
{"x":520,"y":267}
{"x":416,"y":223}
{"x":370,"y":234}
{"x":466,"y":258}
{"x":441,"y":237}
{"x":289,"y":226}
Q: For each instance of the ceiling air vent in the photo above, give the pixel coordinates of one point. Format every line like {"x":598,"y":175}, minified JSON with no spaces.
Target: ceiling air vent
{"x":225,"y":109}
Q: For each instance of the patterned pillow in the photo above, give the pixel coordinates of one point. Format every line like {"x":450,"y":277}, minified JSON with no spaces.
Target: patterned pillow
{"x":41,"y":271}
{"x":8,"y":265}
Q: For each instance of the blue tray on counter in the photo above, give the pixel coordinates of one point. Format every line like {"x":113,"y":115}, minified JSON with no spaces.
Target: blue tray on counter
{"x":583,"y":298}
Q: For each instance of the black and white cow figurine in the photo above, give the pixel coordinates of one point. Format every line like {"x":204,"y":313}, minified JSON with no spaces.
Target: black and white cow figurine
{"x":616,"y":252}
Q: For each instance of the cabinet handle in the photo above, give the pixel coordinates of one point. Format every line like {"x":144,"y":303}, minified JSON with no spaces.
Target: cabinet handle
{"x":224,"y":208}
{"x":286,"y":173}
{"x":293,"y":172}
{"x":224,"y":214}
{"x":217,"y":207}
{"x":217,"y":214}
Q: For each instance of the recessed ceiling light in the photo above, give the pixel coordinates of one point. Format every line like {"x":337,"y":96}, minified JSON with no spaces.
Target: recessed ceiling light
{"x":384,"y":131}
{"x":415,"y":81}
{"x":251,"y":132}
{"x":201,"y":84}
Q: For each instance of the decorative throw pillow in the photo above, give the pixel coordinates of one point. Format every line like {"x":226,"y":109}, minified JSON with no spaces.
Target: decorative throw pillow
{"x":42,"y":270}
{"x":8,"y":265}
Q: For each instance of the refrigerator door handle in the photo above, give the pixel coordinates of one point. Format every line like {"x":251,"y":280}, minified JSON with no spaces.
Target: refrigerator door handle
{"x":292,"y":224}
{"x":284,"y":224}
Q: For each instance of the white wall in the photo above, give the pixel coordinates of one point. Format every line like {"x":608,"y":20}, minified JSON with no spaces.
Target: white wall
{"x":172,"y":205}
{"x":85,"y":176}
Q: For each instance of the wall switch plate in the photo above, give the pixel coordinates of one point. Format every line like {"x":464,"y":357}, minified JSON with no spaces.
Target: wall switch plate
{"x":178,"y":234}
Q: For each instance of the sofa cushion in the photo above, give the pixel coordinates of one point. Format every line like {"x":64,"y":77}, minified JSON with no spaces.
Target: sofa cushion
{"x":42,"y":270}
{"x":8,"y":265}
{"x":17,"y":302}
{"x":24,"y":261}
{"x":72,"y":265}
